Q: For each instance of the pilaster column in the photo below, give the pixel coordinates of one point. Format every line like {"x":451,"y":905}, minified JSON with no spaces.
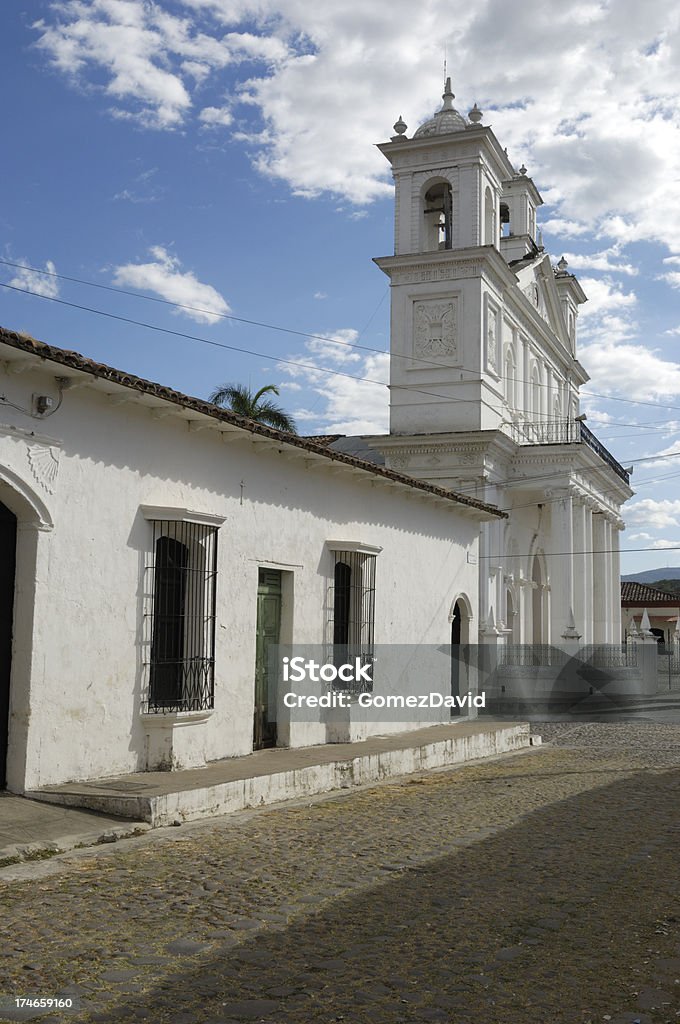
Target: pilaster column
{"x":526,"y":383}
{"x":599,"y":590}
{"x":524,"y":592}
{"x":617,"y":636}
{"x":588,"y":573}
{"x":562,"y":562}
{"x":607,"y":569}
{"x":579,"y":562}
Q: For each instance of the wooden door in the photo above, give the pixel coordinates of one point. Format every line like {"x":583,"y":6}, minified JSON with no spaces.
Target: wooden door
{"x":268,"y":632}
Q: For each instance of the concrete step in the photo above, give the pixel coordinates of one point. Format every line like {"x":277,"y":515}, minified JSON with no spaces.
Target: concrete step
{"x":271,"y":776}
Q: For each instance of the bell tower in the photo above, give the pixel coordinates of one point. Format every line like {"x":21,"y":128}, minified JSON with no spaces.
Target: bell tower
{"x":462,"y":213}
{"x":485,"y":379}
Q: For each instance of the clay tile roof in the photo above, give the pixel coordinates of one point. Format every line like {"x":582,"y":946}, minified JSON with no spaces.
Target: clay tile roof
{"x":323,"y":439}
{"x":76,"y":361}
{"x":641,"y":594}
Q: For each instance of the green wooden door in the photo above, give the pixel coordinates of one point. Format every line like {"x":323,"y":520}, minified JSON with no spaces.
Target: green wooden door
{"x":268,"y":632}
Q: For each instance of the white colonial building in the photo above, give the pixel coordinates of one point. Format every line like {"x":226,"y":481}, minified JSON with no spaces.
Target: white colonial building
{"x":153,"y":545}
{"x":485,"y":383}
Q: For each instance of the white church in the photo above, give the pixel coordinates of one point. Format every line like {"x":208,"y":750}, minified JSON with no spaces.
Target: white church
{"x":484,"y":386}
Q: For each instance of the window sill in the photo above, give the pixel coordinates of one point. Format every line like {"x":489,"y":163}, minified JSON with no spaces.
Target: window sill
{"x":161,"y":719}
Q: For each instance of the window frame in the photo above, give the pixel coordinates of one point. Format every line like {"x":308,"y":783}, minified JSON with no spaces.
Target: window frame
{"x":180,"y":597}
{"x":353,"y":635}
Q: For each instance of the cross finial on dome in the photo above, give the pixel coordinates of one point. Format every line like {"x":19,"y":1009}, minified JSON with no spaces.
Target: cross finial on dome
{"x":448,"y":96}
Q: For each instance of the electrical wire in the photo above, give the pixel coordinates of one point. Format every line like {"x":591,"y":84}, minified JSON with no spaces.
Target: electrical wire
{"x":231,"y":348}
{"x":288,"y":330}
{"x":260,"y":355}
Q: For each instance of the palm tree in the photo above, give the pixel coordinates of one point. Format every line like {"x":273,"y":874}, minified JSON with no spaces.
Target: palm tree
{"x":242,"y":401}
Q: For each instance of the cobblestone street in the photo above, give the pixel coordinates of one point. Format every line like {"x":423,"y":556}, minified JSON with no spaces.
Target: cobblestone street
{"x":543,"y":887}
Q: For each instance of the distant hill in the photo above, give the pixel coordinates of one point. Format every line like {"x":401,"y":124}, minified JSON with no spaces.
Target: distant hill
{"x":654,"y":575}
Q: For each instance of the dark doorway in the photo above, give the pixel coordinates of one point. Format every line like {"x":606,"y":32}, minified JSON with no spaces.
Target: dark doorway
{"x":455,"y":656}
{"x":268,"y":632}
{"x":8,"y":549}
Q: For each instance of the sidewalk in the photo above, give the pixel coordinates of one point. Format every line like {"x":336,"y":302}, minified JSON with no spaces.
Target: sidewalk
{"x":48,"y":820}
{"x":31,"y":831}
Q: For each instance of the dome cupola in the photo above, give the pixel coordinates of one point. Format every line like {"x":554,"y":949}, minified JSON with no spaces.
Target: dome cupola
{"x":446,"y":120}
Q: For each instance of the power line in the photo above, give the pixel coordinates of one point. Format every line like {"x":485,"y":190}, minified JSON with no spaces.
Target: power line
{"x":229,"y":348}
{"x":251,"y":352}
{"x":288,"y":330}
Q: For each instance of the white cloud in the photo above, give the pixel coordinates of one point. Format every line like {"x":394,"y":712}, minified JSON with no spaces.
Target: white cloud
{"x":336,"y":346}
{"x":152,"y":59}
{"x":667,"y":457}
{"x":603,"y":297}
{"x":165,"y":278}
{"x":605,"y":260}
{"x":592,"y":107}
{"x":320,"y":295}
{"x":615,"y":362}
{"x":629,"y":369}
{"x":354,"y":400}
{"x":38,"y":282}
{"x":657,"y":515}
{"x":216,"y":116}
{"x":565,"y":228}
{"x":672,"y":278}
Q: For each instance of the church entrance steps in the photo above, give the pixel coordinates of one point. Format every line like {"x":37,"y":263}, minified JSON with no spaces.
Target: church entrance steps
{"x":277,"y":774}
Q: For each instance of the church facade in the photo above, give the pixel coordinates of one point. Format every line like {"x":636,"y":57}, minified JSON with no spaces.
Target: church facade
{"x":484,"y":384}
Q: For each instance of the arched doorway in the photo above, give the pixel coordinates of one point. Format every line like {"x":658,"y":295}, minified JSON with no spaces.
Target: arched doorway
{"x":8,"y":547}
{"x":456,"y":621}
{"x":460,"y":616}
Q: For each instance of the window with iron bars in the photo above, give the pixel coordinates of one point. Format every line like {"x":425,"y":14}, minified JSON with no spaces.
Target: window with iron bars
{"x":180,"y":589}
{"x":352,"y":611}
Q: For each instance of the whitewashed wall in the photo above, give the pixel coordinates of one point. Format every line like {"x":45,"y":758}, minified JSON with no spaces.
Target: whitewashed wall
{"x":77,"y":666}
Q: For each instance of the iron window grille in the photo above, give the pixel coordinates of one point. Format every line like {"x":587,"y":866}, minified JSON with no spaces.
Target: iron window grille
{"x":181,"y":576}
{"x":352,"y":612}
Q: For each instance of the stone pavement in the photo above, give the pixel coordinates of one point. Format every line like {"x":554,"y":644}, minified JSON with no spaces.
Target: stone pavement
{"x":541,"y":888}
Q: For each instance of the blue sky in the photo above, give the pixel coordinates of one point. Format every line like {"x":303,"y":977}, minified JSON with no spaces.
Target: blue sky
{"x":219,"y":154}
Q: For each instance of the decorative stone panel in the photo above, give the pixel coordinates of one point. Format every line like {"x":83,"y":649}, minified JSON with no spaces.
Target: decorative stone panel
{"x":435,"y":329}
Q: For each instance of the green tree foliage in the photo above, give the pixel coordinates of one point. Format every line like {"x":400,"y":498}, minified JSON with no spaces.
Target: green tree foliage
{"x":668,"y":586}
{"x":241,"y":400}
